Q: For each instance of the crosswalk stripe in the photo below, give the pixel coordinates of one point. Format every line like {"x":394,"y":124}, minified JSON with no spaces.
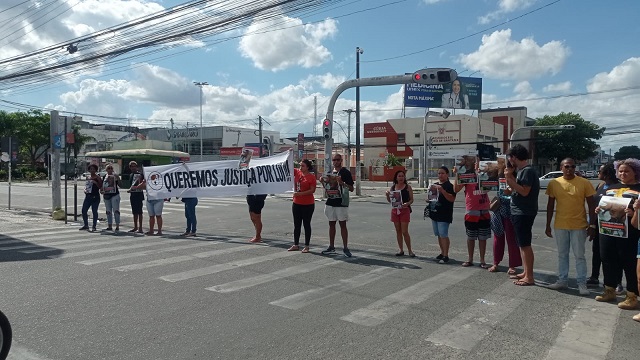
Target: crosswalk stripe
{"x":305,"y":298}
{"x":115,"y":248}
{"x":30,"y":233}
{"x":178,"y":259}
{"x":472,"y":325}
{"x":19,"y":247}
{"x":280,"y":274}
{"x":185,"y":275}
{"x":397,"y":303}
{"x":588,"y":334}
{"x":35,"y":242}
{"x":40,"y":248}
{"x":145,"y":253}
{"x":27,"y":230}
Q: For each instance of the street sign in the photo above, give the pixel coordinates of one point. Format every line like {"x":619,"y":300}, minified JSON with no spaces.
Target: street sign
{"x":57,"y":141}
{"x":449,"y":153}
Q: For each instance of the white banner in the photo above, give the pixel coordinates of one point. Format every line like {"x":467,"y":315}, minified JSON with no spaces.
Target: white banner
{"x":449,"y":153}
{"x":209,"y":179}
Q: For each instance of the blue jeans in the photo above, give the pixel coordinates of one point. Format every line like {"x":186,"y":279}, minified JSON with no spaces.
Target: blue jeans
{"x":190,"y":213}
{"x":440,"y":228}
{"x":90,"y":202}
{"x":574,"y":239}
{"x":113,"y":209}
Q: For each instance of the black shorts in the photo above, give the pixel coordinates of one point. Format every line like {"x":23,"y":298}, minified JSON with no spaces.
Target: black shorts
{"x":480,"y":230}
{"x":136,"y":199}
{"x":522,"y":225}
{"x":256,"y":203}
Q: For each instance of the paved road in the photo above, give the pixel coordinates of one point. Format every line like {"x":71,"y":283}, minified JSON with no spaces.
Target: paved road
{"x":77,"y":295}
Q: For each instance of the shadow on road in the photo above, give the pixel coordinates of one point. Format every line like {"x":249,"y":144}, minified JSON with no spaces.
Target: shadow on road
{"x":14,"y":249}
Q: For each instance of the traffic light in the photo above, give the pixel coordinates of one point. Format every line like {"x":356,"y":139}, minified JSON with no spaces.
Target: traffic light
{"x":326,"y":129}
{"x":434,"y":76}
{"x":266,"y":145}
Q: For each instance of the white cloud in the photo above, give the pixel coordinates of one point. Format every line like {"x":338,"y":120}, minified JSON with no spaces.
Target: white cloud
{"x":523,"y":88}
{"x":295,"y":45}
{"x":503,"y":58}
{"x":562,"y":87}
{"x":624,"y":75}
{"x":505,"y":7}
{"x":327,"y":81}
{"x":430,"y":2}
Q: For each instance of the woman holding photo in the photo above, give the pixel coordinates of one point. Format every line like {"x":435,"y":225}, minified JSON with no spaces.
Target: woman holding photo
{"x":401,"y":216}
{"x":111,"y":193}
{"x":303,"y":204}
{"x":441,"y":212}
{"x":91,"y":198}
{"x":617,"y":253}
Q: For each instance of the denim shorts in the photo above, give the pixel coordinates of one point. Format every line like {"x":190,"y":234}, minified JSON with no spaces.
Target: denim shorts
{"x":440,"y":228}
{"x":154,"y":207}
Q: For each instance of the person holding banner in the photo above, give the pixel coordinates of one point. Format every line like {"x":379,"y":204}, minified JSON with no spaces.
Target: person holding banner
{"x":190,"y":204}
{"x":136,"y":197}
{"x":620,"y":253}
{"x":457,"y":98}
{"x":92,"y":197}
{"x":256,"y":203}
{"x":400,"y":195}
{"x":303,"y":204}
{"x":111,"y":193}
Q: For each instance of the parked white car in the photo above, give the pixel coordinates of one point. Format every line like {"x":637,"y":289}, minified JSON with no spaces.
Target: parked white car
{"x":544,"y":180}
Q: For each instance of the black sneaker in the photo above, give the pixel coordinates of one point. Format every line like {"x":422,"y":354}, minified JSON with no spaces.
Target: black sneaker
{"x":439,"y":257}
{"x":592,"y":282}
{"x":346,"y":252}
{"x":444,"y":260}
{"x":330,"y":251}
{"x":84,"y":228}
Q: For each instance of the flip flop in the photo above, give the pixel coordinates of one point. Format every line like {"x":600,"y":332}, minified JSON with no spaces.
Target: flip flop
{"x":494,"y":268}
{"x":524,"y":283}
{"x":484,"y":265}
{"x":467,"y":264}
{"x":516,"y":277}
{"x":512,"y":272}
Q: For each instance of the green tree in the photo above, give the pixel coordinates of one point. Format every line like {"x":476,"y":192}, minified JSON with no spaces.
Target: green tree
{"x":578,"y":144}
{"x":6,"y":124}
{"x":31,"y":128}
{"x":392,"y":160}
{"x":626,"y":152}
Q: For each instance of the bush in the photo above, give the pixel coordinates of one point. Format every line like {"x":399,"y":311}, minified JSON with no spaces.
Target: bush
{"x":3,"y":175}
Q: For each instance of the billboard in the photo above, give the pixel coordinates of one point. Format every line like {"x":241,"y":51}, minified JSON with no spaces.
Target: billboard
{"x":462,"y":93}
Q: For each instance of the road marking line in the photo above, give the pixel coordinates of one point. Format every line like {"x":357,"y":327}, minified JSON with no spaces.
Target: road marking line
{"x":589,"y":332}
{"x":30,"y":246}
{"x":116,"y":248}
{"x":71,"y":247}
{"x":30,"y":232}
{"x":209,"y":270}
{"x":397,"y":303}
{"x":305,"y":298}
{"x":177,"y":259}
{"x":476,"y":322}
{"x":280,"y":274}
{"x":145,"y":253}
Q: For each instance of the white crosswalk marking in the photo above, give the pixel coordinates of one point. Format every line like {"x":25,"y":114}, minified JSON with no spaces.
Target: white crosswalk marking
{"x":472,"y":325}
{"x":74,"y":246}
{"x":277,"y":275}
{"x":185,"y":275}
{"x":306,"y":298}
{"x":178,"y":259}
{"x":115,"y":248}
{"x":397,"y":303}
{"x":146,"y":252}
{"x":32,"y":233}
{"x":588,"y":334}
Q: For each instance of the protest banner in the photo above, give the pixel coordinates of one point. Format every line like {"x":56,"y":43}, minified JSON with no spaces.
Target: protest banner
{"x":211,"y":179}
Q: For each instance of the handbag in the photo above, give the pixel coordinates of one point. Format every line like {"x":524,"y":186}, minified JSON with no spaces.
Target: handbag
{"x":495,"y":204}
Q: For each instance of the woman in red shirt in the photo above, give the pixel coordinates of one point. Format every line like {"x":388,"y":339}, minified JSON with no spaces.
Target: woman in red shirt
{"x":303,"y":204}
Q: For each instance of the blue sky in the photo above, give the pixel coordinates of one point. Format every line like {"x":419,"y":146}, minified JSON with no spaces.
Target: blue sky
{"x":532,"y":53}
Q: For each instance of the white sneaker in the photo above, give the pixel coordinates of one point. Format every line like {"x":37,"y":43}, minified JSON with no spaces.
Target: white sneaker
{"x":558,"y":285}
{"x":582,"y":288}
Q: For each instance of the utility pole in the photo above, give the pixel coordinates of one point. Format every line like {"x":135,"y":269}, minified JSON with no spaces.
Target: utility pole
{"x":349,"y":111}
{"x":9,"y":178}
{"x":315,"y":115}
{"x":56,"y":200}
{"x":200,"y":84}
{"x":260,"y":133}
{"x":171,"y":136}
{"x":358,"y":167}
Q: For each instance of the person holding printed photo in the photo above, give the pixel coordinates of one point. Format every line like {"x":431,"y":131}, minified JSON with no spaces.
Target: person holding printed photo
{"x":92,"y":197}
{"x":441,"y":212}
{"x":401,"y":215}
{"x":303,"y":204}
{"x":111,"y":193}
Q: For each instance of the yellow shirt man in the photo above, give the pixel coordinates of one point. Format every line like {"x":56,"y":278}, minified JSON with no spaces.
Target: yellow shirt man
{"x":570,"y":196}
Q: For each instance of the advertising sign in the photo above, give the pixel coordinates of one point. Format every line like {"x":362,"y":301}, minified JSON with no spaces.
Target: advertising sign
{"x":462,"y":93}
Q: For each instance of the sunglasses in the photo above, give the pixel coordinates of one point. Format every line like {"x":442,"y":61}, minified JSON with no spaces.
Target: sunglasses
{"x":569,"y":166}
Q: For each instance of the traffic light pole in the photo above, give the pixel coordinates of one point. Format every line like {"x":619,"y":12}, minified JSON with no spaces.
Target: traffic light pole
{"x":424,"y":76}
